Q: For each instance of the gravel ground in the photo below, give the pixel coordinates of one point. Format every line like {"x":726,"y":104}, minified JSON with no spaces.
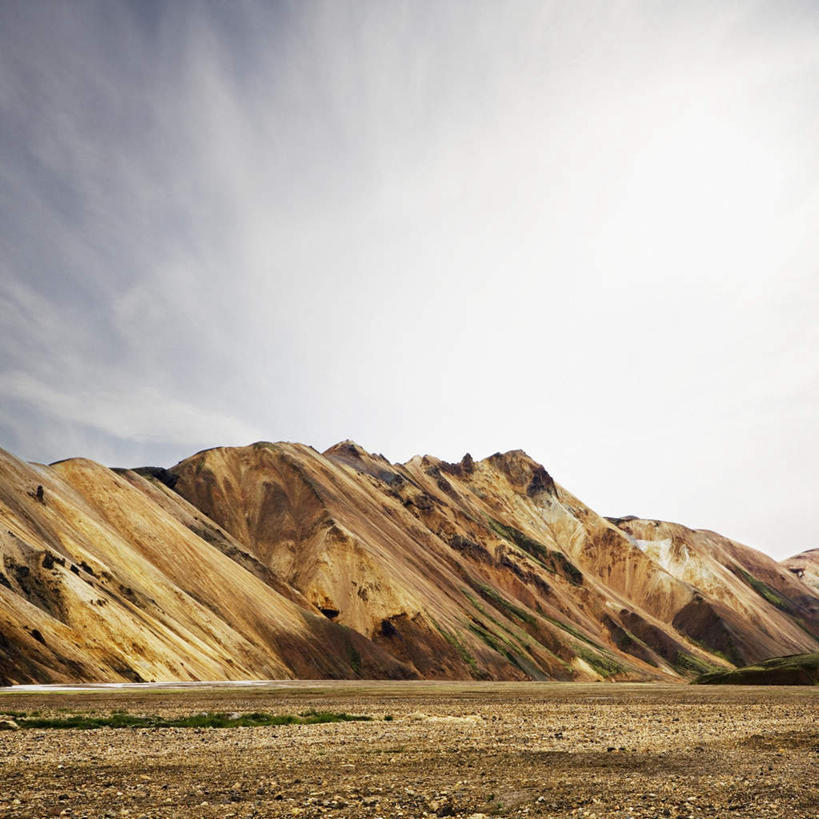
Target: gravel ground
{"x":496,"y":749}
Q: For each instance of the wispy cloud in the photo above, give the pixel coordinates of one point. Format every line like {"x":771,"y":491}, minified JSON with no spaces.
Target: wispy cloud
{"x":587,"y":229}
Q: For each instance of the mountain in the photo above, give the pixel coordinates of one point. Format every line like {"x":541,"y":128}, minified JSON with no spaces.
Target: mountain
{"x":106,"y":577}
{"x":797,"y":669}
{"x":806,"y":567}
{"x":274,"y":560}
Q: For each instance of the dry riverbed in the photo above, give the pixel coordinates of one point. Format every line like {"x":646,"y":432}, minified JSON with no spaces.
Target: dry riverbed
{"x":431,"y":749}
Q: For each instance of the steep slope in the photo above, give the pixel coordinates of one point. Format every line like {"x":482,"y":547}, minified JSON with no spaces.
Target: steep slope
{"x":107,"y":577}
{"x":805,"y":566}
{"x":489,"y":568}
{"x":748,"y":606}
{"x":796,"y":669}
{"x":274,"y":560}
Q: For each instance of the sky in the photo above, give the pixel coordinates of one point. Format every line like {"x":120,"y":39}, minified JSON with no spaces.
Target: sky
{"x":586,"y":230}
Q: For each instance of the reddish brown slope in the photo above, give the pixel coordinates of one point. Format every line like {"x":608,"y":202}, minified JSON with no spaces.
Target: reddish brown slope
{"x":479,"y":568}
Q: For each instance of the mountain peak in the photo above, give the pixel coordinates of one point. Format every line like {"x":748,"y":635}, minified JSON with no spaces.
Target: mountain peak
{"x":523,"y":471}
{"x":346,"y":447}
{"x":284,"y":562}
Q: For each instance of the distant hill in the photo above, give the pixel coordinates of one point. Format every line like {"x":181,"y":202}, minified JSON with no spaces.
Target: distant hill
{"x":796,"y":669}
{"x":277,"y":561}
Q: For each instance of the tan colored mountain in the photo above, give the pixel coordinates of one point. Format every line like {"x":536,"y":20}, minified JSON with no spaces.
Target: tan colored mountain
{"x":274,"y":560}
{"x":108,"y":577}
{"x":806,"y":567}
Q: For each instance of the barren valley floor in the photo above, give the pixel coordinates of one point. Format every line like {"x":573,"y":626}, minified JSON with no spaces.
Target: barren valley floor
{"x":431,"y":749}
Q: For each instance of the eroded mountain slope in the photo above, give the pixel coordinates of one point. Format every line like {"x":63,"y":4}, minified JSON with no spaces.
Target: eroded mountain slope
{"x":102,"y":580}
{"x":274,"y":560}
{"x":805,"y":566}
{"x":488,"y":568}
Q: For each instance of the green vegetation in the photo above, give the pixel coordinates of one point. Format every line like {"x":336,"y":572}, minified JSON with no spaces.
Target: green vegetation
{"x":520,"y":539}
{"x":730,"y":655}
{"x":504,"y":605}
{"x":552,"y":561}
{"x":120,"y":719}
{"x":795,"y":669}
{"x":687,"y":663}
{"x":625,"y":640}
{"x":605,"y":666}
{"x":355,"y":661}
{"x":628,"y":642}
{"x":573,"y":631}
{"x":462,"y":650}
{"x":506,"y":649}
{"x":568,"y":569}
{"x":478,"y":607}
{"x":765,"y":591}
{"x":5,"y":714}
{"x":490,"y":639}
{"x":518,"y":636}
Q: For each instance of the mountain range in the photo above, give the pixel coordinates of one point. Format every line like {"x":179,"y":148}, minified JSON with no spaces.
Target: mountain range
{"x":277,"y":561}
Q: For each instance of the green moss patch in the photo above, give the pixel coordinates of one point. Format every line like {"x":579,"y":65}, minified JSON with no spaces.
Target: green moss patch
{"x":501,"y":603}
{"x":794,"y":669}
{"x":459,"y":647}
{"x":604,"y":665}
{"x":765,"y":591}
{"x":551,"y":560}
{"x":121,"y":719}
{"x":686,"y":663}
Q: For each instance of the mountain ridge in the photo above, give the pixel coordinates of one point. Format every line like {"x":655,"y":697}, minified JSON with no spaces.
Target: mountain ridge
{"x":277,"y":560}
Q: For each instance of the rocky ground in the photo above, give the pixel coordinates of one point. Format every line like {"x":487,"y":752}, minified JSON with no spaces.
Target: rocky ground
{"x":495,"y":749}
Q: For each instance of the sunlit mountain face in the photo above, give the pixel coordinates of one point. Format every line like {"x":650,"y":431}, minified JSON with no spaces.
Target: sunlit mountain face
{"x":276,"y":561}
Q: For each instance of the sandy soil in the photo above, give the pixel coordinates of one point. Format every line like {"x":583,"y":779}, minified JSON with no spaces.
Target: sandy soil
{"x":504,"y":749}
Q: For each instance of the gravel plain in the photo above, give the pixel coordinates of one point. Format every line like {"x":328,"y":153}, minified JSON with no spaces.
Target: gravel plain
{"x":431,"y":749}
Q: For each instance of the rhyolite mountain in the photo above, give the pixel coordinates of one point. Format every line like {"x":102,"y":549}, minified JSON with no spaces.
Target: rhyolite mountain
{"x":277,"y":561}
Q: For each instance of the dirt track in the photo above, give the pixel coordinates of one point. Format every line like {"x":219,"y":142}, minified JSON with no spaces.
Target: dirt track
{"x":496,"y":749}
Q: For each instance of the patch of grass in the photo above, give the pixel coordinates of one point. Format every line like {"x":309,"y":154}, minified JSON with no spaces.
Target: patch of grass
{"x":207,"y":720}
{"x":687,"y":663}
{"x":478,"y":607}
{"x":355,"y":661}
{"x":603,"y":665}
{"x":462,"y":650}
{"x":795,"y":669}
{"x":568,"y":569}
{"x":573,"y":631}
{"x":521,"y":540}
{"x":487,"y":637}
{"x":731,"y":655}
{"x":497,"y":644}
{"x":504,"y":605}
{"x":626,"y":641}
{"x":497,"y":808}
{"x":519,"y":636}
{"x":552,"y":561}
{"x":765,"y":591}
{"x":476,"y":603}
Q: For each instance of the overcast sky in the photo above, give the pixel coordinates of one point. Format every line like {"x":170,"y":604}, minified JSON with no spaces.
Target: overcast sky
{"x":587,"y":230}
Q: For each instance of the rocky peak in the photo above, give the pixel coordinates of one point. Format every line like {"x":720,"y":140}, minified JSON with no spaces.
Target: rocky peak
{"x":523,"y":472}
{"x":346,"y":448}
{"x":463,"y":469}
